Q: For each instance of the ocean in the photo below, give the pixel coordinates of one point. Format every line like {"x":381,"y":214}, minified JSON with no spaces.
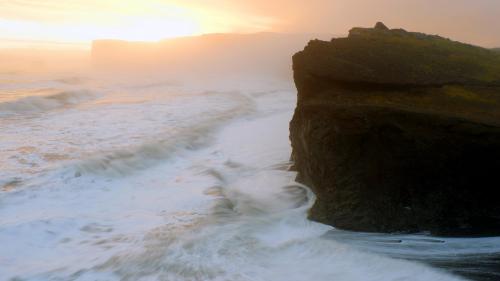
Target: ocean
{"x":142,"y":178}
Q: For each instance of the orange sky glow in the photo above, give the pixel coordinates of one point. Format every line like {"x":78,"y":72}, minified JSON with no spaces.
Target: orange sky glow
{"x":80,"y":21}
{"x":77,"y":22}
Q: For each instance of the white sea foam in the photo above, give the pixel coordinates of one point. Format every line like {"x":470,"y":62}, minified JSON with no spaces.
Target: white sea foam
{"x":46,"y":102}
{"x":164,"y":183}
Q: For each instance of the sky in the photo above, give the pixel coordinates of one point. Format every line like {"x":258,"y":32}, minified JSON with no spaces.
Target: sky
{"x":77,"y":22}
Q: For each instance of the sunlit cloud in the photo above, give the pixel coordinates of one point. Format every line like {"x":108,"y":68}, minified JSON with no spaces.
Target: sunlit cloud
{"x":85,"y":20}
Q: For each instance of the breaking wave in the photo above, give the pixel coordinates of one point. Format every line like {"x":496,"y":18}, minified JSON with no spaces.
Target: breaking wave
{"x":172,"y":142}
{"x":230,"y":210}
{"x":255,"y":234}
{"x":33,"y":104}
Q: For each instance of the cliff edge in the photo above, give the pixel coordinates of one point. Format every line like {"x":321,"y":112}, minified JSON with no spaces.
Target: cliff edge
{"x":399,"y":131}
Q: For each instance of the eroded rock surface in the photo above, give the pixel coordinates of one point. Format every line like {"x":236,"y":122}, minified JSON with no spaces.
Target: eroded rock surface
{"x":399,"y":131}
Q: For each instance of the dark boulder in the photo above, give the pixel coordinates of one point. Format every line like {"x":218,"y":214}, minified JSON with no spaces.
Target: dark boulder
{"x":381,"y":26}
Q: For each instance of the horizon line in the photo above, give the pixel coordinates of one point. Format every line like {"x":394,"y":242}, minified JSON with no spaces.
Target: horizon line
{"x":88,"y":44}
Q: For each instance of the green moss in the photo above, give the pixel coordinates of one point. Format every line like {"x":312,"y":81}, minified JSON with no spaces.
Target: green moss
{"x":399,"y":57}
{"x":478,"y":63}
{"x":463,"y":93}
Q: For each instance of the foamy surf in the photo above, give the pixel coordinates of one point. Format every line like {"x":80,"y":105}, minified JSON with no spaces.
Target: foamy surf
{"x":255,"y":229}
{"x":154,"y":184}
{"x":193,"y":135}
{"x":40,"y":103}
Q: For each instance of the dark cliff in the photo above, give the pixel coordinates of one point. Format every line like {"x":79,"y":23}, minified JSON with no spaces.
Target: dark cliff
{"x":399,"y":131}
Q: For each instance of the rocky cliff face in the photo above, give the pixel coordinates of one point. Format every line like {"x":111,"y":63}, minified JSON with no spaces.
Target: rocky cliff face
{"x":399,"y":131}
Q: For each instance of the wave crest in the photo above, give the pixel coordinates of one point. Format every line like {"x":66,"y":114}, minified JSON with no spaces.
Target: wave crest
{"x":47,"y":102}
{"x":125,"y":161}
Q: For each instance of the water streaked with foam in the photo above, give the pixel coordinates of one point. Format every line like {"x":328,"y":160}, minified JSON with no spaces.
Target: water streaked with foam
{"x":139,"y":180}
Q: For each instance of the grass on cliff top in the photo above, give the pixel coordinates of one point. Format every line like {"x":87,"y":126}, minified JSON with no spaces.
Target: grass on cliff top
{"x":440,"y":76}
{"x":432,"y":53}
{"x":466,"y":94}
